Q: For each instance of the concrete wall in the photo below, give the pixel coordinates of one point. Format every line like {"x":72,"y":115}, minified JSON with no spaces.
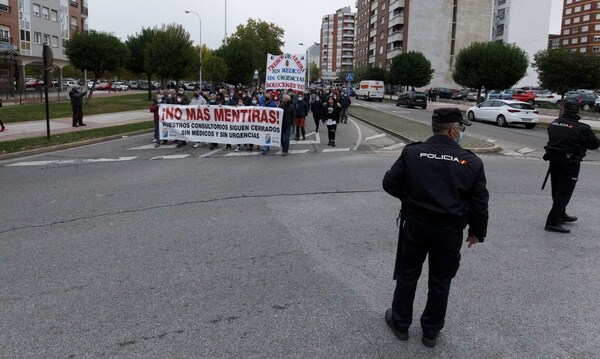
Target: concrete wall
{"x":430,"y":32}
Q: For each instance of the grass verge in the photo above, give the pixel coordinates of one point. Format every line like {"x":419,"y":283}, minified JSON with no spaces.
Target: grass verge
{"x":71,"y":137}
{"x":61,"y":109}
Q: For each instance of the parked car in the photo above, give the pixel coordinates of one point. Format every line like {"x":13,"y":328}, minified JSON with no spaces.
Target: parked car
{"x":104,"y":86}
{"x":505,"y":112}
{"x":472,"y":96}
{"x":68,"y":83}
{"x":134,"y":85}
{"x":120,"y":86}
{"x":586,"y":100}
{"x":525,"y":96}
{"x":349,"y":91}
{"x":548,"y":98}
{"x":412,"y":99}
{"x":443,"y":92}
{"x":460,"y":95}
{"x":34,"y":83}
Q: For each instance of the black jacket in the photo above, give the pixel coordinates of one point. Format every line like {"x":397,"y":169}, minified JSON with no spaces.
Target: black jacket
{"x":440,"y":180}
{"x":335,"y":115}
{"x":317,"y":109}
{"x":301,"y":108}
{"x":567,"y":135}
{"x":289,"y":114}
{"x":76,"y":98}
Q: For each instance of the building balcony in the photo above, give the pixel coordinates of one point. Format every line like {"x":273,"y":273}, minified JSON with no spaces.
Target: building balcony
{"x":396,"y":3}
{"x":84,"y":11}
{"x":74,"y":28}
{"x":391,"y":53}
{"x":396,"y":20}
{"x":396,"y":36}
{"x":347,"y":55}
{"x":372,"y":46}
{"x":347,"y":62}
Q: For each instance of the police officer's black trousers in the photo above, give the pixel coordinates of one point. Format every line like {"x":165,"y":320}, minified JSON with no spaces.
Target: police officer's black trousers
{"x":442,"y":242}
{"x":563,"y":177}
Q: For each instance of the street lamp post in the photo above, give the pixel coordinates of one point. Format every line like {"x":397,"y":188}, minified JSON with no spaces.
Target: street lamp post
{"x":307,"y":67}
{"x":200,"y":71}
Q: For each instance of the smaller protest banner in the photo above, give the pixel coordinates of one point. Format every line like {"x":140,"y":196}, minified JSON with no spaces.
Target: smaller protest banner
{"x":221,"y":124}
{"x":285,"y":72}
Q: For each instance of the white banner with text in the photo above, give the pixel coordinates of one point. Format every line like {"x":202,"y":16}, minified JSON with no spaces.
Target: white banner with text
{"x":221,"y":124}
{"x":285,"y":72}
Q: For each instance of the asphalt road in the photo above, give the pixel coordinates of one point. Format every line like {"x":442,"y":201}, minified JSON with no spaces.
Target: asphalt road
{"x":120,"y":250}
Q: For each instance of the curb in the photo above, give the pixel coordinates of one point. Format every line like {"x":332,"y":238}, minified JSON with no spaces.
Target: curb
{"x":495,"y":148}
{"x":36,"y":151}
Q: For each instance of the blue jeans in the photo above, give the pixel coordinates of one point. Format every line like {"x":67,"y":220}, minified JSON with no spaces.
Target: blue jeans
{"x":285,"y":138}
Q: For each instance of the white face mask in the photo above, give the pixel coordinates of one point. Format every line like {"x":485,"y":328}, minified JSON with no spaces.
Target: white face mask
{"x":254,"y":102}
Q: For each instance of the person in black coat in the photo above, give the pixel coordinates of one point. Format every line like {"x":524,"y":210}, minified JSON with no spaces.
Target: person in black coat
{"x":289,"y":115}
{"x":330,"y":117}
{"x":443,"y":189}
{"x":317,"y":110}
{"x":301,"y":109}
{"x":568,"y":142}
{"x":77,"y":105}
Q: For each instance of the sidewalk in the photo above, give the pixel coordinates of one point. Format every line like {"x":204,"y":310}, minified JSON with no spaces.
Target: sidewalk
{"x":21,"y":130}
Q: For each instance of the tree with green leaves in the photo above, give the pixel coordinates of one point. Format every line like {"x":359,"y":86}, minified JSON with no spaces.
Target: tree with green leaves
{"x":561,"y":70}
{"x":170,"y":54}
{"x":241,"y":58}
{"x":314,"y":72}
{"x":411,"y":69}
{"x":264,"y":37}
{"x":138,"y":63}
{"x":97,"y":52}
{"x":214,"y":69}
{"x":493,"y":65}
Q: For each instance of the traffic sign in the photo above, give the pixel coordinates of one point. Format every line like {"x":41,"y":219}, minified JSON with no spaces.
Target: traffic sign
{"x":350,"y":76}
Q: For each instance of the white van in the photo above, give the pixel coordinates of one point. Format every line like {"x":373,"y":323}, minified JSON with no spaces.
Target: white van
{"x":370,"y":90}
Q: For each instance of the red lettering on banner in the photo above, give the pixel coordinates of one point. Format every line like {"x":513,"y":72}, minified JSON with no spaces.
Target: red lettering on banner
{"x":273,"y":118}
{"x":298,"y":63}
{"x":236,"y":116}
{"x":275,"y":63}
{"x":219,"y":115}
{"x":168,"y":113}
{"x":206,"y":114}
{"x":264,"y":117}
{"x":255,"y":115}
{"x":192,"y":113}
{"x":178,"y":113}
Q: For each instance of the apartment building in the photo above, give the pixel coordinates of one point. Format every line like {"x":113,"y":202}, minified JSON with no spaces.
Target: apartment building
{"x":27,"y":25}
{"x":514,"y":24}
{"x":437,"y":28}
{"x":337,"y":44}
{"x":580,"y":28}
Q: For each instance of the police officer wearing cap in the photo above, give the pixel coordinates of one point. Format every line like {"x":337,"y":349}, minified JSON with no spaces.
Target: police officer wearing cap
{"x":443,"y":189}
{"x":568,"y":142}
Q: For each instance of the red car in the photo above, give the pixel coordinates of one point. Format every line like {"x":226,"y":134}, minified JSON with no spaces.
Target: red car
{"x":104,"y":86}
{"x":34,"y":83}
{"x":525,"y":96}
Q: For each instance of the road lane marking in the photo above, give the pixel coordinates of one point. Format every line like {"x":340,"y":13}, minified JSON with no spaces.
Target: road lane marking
{"x":151,"y":147}
{"x":241,"y":153}
{"x":526,"y":150}
{"x":370,"y":138}
{"x":336,"y":150}
{"x":394,"y":147}
{"x":95,"y":160}
{"x":171,"y":157}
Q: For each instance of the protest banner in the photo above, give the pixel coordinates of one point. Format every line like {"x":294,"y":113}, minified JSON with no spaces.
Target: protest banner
{"x":221,"y":124}
{"x":285,"y":72}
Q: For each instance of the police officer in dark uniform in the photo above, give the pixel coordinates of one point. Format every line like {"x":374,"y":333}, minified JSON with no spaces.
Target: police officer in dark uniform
{"x":442,"y":188}
{"x":568,"y":142}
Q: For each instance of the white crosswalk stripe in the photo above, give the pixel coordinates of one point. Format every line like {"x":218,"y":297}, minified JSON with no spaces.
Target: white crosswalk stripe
{"x":171,"y":157}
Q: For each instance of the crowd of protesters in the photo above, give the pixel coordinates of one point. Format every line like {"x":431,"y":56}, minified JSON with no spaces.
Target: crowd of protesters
{"x":328,"y":107}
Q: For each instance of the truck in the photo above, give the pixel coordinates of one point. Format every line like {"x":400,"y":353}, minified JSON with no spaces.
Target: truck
{"x":370,"y":90}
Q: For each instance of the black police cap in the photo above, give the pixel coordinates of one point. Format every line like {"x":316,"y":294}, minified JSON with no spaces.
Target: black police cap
{"x":571,"y":107}
{"x":449,"y":115}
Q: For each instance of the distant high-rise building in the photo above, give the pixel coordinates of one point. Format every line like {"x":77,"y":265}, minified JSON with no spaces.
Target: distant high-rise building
{"x":514,"y":23}
{"x":337,"y":44}
{"x":26,"y":26}
{"x":580,"y":27}
{"x":438,"y":29}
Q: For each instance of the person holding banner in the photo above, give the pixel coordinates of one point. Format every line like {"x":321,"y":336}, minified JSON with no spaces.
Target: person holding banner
{"x":268,"y":103}
{"x":317,"y":111}
{"x":331,"y":117}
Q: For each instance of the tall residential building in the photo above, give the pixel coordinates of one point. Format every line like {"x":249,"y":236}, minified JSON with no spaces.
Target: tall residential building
{"x":27,"y":25}
{"x":337,"y":43}
{"x":580,"y":29}
{"x":514,"y":24}
{"x":437,"y":28}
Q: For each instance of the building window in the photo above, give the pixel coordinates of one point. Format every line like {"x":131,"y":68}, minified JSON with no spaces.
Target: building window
{"x":25,"y":35}
{"x":565,"y":41}
{"x":54,"y":42}
{"x":380,"y":50}
{"x":574,"y":40}
{"x":577,"y":9}
{"x":596,"y":49}
{"x":37,"y":38}
{"x":585,"y":18}
{"x":46,"y":39}
{"x":575,"y":30}
{"x":598,"y":16}
{"x":566,"y":31}
{"x":567,"y":21}
{"x":583,"y":39}
{"x":501,"y":2}
{"x":585,"y":28}
{"x":582,"y":49}
{"x":597,"y":27}
{"x":597,"y":38}
{"x":45,"y":13}
{"x":5,"y":35}
{"x":568,"y":11}
{"x":36,"y":10}
{"x":4,"y":6}
{"x":74,"y":26}
{"x":569,"y":2}
{"x":54,"y":15}
{"x":587,"y":7}
{"x":576,"y":20}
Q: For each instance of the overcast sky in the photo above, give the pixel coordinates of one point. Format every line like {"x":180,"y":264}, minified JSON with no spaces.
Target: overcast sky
{"x":301,"y":20}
